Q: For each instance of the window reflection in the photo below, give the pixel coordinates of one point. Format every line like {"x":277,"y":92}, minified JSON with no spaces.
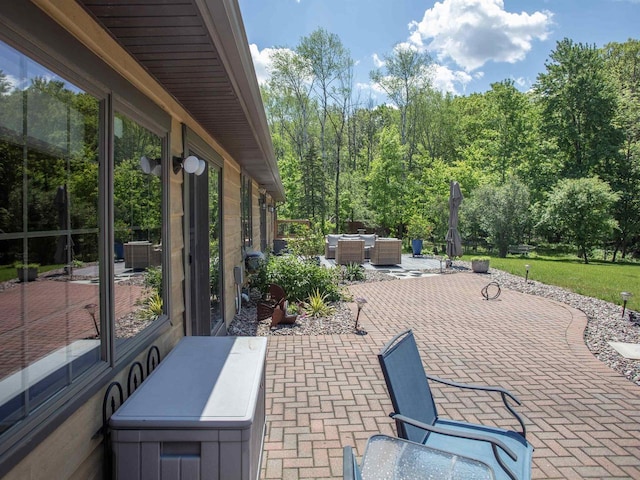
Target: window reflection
{"x":246,"y":217}
{"x":49,"y":266}
{"x":137,"y":205}
{"x":214,"y":248}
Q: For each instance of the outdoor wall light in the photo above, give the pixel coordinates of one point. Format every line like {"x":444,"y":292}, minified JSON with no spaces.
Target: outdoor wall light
{"x":526,"y":278}
{"x":625,"y":298}
{"x":271,"y":209}
{"x":191,"y":164}
{"x":150,"y":165}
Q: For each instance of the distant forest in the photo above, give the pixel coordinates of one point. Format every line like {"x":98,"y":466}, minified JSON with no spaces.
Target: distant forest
{"x":557,"y":164}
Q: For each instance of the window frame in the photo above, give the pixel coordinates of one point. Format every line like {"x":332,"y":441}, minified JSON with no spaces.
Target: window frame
{"x":246,"y":208}
{"x":31,"y":32}
{"x":193,"y":144}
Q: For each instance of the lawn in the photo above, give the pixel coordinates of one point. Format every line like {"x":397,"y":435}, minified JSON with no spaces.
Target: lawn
{"x":597,"y":279}
{"x":8,"y":272}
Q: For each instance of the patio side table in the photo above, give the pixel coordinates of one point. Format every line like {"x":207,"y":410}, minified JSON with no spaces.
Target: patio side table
{"x":394,"y":458}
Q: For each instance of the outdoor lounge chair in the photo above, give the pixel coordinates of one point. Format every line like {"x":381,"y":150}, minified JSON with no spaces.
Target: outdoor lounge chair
{"x":506,"y":451}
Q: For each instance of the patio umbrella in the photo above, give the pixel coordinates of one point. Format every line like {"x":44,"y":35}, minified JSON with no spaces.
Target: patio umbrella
{"x":454,"y":243}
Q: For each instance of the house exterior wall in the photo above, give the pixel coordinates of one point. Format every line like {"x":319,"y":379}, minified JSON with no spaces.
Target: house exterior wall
{"x":73,"y":450}
{"x":232,"y":234}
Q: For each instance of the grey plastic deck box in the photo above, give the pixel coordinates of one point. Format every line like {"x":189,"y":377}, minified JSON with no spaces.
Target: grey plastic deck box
{"x":199,"y":415}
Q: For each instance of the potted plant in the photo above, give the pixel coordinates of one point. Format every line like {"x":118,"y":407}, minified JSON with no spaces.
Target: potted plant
{"x":480,"y":264}
{"x":27,"y":272}
{"x":418,"y":228}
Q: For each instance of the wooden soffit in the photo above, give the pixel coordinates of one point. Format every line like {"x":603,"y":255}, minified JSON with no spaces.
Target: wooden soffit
{"x":198,"y":51}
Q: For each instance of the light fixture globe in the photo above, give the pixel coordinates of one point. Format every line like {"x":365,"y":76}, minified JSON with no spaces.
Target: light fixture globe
{"x":191,"y":164}
{"x":146,"y":165}
{"x":201,"y":166}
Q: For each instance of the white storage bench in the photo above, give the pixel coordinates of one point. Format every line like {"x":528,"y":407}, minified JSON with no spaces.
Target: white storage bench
{"x":199,"y":415}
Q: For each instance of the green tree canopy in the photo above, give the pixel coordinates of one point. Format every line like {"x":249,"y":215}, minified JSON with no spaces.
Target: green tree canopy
{"x":578,"y":105}
{"x":580,"y":209}
{"x":500,"y":211}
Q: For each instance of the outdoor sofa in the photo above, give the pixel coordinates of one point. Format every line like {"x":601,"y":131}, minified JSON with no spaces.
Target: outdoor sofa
{"x":331,"y":243}
{"x":349,"y":248}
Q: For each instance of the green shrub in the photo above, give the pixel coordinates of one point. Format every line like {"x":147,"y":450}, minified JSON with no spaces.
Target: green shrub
{"x":480,"y":259}
{"x":27,"y":265}
{"x":307,"y":243}
{"x":418,"y":227}
{"x":299,"y":278}
{"x":316,"y":305}
{"x":153,"y":279}
{"x":353,"y":272}
{"x":153,"y":307}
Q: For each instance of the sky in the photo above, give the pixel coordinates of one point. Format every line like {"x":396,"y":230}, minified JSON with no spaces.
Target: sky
{"x":473,"y":43}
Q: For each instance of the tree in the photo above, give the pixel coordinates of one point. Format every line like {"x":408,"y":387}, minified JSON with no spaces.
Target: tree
{"x":406,"y":72}
{"x":578,"y":108}
{"x":623,"y":64}
{"x":328,"y":60}
{"x":506,"y":118}
{"x":580,"y":210}
{"x":503,"y":212}
{"x":386,"y":188}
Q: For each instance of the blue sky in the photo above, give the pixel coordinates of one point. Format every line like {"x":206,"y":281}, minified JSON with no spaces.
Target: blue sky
{"x":474,"y":43}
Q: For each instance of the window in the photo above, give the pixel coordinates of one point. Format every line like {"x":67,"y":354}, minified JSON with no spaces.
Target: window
{"x":74,"y":285}
{"x":49,"y":182}
{"x":246,"y":214}
{"x":137,"y":207}
{"x":215,"y":286}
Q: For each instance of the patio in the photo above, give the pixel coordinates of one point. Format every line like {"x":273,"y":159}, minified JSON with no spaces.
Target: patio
{"x":325,"y":392}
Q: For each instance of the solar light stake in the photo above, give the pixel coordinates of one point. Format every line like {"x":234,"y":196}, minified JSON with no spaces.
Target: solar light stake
{"x":360,"y":301}
{"x":625,"y":297}
{"x":526,"y":278}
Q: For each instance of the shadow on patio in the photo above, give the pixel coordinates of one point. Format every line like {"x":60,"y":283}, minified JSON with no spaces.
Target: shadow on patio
{"x":325,"y":392}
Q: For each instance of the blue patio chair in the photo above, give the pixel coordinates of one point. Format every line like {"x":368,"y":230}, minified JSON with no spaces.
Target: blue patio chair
{"x":506,"y":451}
{"x":350,"y":469}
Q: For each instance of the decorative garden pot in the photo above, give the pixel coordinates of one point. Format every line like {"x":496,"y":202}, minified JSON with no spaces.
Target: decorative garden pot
{"x":416,"y":246}
{"x":27,"y":274}
{"x":480,"y":266}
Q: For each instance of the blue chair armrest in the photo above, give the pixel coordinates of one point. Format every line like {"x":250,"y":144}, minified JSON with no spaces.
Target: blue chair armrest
{"x":503,"y":393}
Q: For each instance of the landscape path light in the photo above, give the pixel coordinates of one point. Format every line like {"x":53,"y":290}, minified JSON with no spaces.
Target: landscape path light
{"x":526,"y":278}
{"x":360,"y":301}
{"x":625,"y":298}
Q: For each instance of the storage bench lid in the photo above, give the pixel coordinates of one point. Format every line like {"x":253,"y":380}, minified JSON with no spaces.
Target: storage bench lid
{"x":205,"y":382}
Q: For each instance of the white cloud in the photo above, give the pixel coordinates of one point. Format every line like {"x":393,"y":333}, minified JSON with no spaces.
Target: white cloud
{"x":15,"y":84}
{"x":262,"y":61}
{"x":520,"y":81}
{"x":474,"y":32}
{"x":447,"y":80}
{"x":377,"y":61}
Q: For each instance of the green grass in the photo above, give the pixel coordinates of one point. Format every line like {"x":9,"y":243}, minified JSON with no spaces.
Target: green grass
{"x":8,"y":272}
{"x":596,"y":279}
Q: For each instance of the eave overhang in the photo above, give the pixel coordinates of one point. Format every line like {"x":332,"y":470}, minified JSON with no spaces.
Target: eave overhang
{"x":197,"y":51}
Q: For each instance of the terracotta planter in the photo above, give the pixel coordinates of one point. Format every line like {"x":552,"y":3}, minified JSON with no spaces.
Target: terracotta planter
{"x":480,"y":266}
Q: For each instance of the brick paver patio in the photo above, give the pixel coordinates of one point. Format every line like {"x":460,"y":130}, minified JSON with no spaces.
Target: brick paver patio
{"x":325,"y":392}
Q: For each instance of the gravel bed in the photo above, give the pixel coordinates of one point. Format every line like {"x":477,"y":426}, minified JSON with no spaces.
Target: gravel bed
{"x":605,"y":323}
